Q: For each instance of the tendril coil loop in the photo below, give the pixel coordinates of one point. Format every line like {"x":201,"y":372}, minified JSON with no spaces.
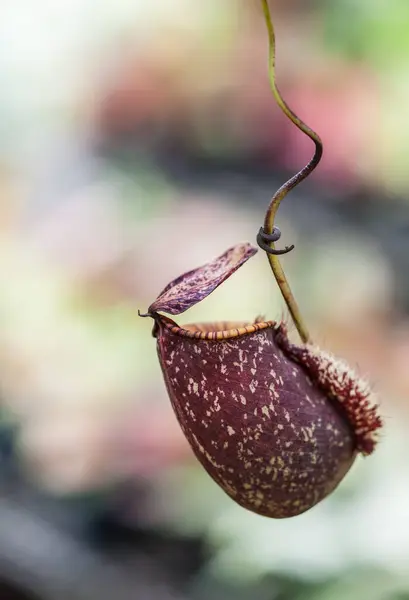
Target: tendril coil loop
{"x":264,"y":239}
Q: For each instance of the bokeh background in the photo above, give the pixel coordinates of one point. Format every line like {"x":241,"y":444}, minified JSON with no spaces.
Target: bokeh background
{"x":138,"y":140}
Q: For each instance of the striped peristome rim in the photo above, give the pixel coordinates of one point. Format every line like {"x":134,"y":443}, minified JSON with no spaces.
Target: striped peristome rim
{"x":216,"y":332}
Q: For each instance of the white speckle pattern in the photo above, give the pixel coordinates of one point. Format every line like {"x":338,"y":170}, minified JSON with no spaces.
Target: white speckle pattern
{"x":249,"y":421}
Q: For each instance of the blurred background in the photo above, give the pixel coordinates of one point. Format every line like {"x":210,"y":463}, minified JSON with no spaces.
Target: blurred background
{"x":139,"y":140}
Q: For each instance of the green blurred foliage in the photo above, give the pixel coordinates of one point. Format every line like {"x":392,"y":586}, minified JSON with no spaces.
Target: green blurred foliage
{"x":373,"y":32}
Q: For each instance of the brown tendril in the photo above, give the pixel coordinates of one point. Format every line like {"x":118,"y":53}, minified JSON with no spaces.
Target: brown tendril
{"x":269,"y":233}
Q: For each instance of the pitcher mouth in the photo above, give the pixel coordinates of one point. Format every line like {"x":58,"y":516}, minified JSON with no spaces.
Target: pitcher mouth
{"x":219,"y":331}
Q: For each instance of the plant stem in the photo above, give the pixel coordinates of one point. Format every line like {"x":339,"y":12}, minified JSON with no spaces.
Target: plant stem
{"x":290,"y":184}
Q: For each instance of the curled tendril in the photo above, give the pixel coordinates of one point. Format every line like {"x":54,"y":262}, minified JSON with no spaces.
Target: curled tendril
{"x":265,"y":237}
